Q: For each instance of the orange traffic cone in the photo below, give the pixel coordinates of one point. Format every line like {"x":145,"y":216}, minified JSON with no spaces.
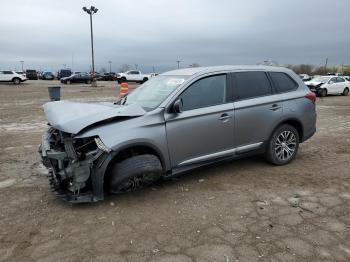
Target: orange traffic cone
{"x":124,"y":89}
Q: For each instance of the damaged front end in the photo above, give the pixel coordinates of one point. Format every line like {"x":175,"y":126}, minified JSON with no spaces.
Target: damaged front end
{"x":76,"y":165}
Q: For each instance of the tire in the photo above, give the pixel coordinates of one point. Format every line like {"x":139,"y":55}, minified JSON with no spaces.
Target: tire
{"x":283,"y":145}
{"x":144,"y":80}
{"x":346,"y":91}
{"x":123,"y":80}
{"x":68,"y":82}
{"x":134,"y":174}
{"x":88,"y":82}
{"x":323,"y":92}
{"x":16,"y":81}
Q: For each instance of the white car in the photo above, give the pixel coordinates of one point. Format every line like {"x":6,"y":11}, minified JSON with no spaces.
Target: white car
{"x":329,"y":85}
{"x":133,"y":76}
{"x":11,"y":76}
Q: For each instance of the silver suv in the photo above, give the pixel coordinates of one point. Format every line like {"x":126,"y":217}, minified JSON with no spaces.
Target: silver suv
{"x":175,"y":122}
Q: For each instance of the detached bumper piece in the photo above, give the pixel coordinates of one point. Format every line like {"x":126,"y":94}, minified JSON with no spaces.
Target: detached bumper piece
{"x":76,"y":166}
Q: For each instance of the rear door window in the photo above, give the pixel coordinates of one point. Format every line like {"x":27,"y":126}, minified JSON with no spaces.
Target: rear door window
{"x":251,"y":84}
{"x":283,"y":82}
{"x":340,"y":79}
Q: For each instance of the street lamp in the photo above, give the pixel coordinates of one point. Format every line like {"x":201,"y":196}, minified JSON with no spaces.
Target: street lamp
{"x":22,"y":62}
{"x":110,"y":66}
{"x":92,"y":10}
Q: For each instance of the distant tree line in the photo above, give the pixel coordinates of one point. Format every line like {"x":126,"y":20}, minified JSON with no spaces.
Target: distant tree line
{"x":318,"y":70}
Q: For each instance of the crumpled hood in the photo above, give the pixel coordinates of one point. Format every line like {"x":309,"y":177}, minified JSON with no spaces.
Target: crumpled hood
{"x":72,"y":117}
{"x":313,"y":83}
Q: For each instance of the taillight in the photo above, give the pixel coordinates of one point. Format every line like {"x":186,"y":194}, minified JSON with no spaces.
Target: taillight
{"x":311,"y":96}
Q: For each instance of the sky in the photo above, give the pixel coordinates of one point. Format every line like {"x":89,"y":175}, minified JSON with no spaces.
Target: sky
{"x":52,"y":34}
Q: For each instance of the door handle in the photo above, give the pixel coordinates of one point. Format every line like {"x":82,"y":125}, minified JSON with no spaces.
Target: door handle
{"x":275,"y":107}
{"x":225,"y":116}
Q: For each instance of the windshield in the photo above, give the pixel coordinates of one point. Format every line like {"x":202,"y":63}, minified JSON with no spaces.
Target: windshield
{"x":152,"y":93}
{"x":322,"y":79}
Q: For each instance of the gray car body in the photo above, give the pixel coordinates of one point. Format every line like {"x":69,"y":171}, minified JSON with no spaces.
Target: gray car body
{"x":191,"y":138}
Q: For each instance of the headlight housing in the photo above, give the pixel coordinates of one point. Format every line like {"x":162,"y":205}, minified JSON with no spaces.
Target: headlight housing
{"x":101,"y":145}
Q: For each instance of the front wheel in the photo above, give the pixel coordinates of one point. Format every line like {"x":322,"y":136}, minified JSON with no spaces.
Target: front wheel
{"x":323,"y":92}
{"x":346,"y":91}
{"x":134,"y":173}
{"x":283,"y":145}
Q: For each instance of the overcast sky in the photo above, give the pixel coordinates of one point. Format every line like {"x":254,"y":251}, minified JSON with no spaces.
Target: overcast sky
{"x":49,"y":33}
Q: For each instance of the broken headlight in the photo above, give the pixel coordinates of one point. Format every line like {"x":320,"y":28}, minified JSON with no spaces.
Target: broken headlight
{"x":101,"y":145}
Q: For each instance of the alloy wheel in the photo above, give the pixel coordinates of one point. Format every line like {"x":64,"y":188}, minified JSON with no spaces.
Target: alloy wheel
{"x":285,"y":145}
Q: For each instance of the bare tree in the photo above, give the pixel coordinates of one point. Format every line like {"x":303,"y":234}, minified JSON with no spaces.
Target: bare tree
{"x":124,"y":67}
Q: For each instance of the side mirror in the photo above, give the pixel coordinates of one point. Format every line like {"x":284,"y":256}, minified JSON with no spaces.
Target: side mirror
{"x":177,"y":106}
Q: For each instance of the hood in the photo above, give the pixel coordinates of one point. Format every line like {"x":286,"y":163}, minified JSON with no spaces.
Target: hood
{"x":72,"y":117}
{"x":313,"y":83}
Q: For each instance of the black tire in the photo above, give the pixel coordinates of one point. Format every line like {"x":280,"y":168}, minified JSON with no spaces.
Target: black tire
{"x":88,"y":82}
{"x":346,"y":91}
{"x":281,"y":151}
{"x":123,"y":80}
{"x":68,"y":82}
{"x":16,"y":81}
{"x":323,"y":92}
{"x":144,"y":80}
{"x":134,"y":174}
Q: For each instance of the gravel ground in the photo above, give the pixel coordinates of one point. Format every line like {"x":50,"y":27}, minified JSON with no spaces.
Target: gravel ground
{"x":245,"y":210}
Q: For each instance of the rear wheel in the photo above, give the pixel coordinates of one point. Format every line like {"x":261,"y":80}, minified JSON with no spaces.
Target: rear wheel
{"x":346,"y":91}
{"x":16,"y":81}
{"x":323,"y":92}
{"x":283,"y":145}
{"x":134,"y":173}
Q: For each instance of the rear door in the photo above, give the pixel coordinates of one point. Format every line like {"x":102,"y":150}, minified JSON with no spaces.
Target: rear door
{"x":204,"y":129}
{"x":256,"y":109}
{"x":341,"y":85}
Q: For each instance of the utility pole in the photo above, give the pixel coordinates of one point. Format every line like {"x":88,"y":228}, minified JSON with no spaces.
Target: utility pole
{"x":178,"y":63}
{"x":325,"y":66}
{"x":110,"y":66}
{"x":136,"y":65}
{"x":91,"y":11}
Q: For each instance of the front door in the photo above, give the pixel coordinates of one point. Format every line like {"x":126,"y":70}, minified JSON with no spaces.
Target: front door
{"x":204,"y":129}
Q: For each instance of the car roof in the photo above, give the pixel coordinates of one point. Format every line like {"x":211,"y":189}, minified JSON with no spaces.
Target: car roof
{"x":202,"y":70}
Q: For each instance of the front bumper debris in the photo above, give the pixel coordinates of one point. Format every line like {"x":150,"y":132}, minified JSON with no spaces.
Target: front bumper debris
{"x":74,"y":176}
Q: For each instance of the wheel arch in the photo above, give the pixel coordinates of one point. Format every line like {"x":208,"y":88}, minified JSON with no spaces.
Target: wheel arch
{"x":130,"y":150}
{"x":294,"y":123}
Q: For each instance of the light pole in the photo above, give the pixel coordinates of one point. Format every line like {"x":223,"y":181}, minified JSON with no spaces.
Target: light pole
{"x":91,"y":11}
{"x":22,"y":62}
{"x":110,"y":66}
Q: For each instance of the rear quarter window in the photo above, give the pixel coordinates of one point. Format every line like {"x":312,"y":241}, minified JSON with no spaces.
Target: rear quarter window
{"x":283,"y":82}
{"x":251,"y":84}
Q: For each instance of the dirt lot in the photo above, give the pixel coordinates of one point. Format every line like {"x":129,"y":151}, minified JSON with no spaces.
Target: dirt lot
{"x":246,"y":210}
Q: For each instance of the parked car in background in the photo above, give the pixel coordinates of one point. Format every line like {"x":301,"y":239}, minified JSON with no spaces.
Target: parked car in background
{"x":32,"y":74}
{"x":173,"y":123}
{"x":63,"y":73}
{"x":47,"y":76}
{"x":11,"y":76}
{"x":22,"y":73}
{"x":305,"y":77}
{"x":133,"y":76}
{"x":77,"y":78}
{"x":107,"y":77}
{"x":326,"y":85}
